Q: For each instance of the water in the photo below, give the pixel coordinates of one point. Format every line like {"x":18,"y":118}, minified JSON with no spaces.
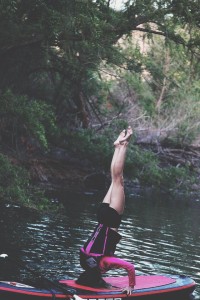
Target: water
{"x":160,"y":235}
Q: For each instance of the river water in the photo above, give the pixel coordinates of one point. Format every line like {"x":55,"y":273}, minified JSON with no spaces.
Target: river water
{"x":160,"y":235}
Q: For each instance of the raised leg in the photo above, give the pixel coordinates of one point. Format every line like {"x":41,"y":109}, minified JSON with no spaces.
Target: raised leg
{"x":115,"y":195}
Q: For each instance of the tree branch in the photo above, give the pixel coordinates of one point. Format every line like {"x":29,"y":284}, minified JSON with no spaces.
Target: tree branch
{"x":176,"y":38}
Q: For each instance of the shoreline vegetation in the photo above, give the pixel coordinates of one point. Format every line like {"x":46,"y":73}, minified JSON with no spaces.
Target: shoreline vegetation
{"x":166,"y":168}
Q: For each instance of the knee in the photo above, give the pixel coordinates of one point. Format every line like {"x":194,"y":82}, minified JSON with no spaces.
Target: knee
{"x":118,"y":179}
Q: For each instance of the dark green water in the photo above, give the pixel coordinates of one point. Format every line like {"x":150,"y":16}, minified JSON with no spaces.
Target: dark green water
{"x":160,"y":235}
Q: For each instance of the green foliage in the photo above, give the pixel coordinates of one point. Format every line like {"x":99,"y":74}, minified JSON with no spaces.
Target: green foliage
{"x":40,"y":202}
{"x":92,"y":145}
{"x":187,"y":114}
{"x":21,"y":116}
{"x":144,"y":166}
{"x":15,"y":187}
{"x":141,"y":165}
{"x":87,"y":145}
{"x":145,"y":95}
{"x":50,"y":48}
{"x":13,"y":181}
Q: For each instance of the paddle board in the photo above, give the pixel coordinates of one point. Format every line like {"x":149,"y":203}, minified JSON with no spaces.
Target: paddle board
{"x":147,"y":287}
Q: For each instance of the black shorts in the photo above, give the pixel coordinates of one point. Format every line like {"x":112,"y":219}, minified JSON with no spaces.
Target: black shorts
{"x":108,"y":216}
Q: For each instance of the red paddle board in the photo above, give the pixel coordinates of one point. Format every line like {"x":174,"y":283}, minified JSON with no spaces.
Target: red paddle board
{"x":147,"y":287}
{"x":142,"y":282}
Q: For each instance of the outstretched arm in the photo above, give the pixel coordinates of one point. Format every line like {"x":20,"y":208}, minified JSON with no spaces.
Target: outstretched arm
{"x":110,"y":262}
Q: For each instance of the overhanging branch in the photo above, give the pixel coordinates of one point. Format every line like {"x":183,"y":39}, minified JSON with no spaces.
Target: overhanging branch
{"x":176,"y":38}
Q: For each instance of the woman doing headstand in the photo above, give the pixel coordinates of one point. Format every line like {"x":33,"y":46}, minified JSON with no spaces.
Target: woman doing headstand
{"x":97,"y":254}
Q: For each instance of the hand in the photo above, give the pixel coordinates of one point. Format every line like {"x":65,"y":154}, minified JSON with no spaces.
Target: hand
{"x":127,"y":290}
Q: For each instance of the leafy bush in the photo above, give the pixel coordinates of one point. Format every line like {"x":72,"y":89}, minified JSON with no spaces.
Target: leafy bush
{"x":145,"y":95}
{"x":22,"y":116}
{"x":144,"y":166}
{"x":13,"y":181}
{"x":141,"y":165}
{"x":93,"y":145}
{"x":15,"y":187}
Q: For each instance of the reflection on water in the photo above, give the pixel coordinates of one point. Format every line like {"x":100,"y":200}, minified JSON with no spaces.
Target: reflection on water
{"x":159,"y":236}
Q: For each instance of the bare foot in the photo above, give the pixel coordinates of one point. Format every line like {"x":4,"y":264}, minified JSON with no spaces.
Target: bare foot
{"x":124,"y":136}
{"x":129,"y":133}
{"x":120,"y":138}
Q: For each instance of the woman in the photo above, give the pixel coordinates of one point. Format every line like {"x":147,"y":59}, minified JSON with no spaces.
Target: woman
{"x":97,"y":254}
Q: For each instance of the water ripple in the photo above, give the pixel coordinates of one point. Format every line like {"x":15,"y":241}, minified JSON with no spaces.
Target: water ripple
{"x":158,"y":237}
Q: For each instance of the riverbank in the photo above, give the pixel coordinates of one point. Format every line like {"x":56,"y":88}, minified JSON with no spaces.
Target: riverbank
{"x":162,"y":167}
{"x":58,"y":170}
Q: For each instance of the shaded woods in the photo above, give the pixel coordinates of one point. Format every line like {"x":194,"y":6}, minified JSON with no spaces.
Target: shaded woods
{"x":74,"y":73}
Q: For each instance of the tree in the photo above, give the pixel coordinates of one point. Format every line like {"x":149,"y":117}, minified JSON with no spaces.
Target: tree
{"x":49,"y":49}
